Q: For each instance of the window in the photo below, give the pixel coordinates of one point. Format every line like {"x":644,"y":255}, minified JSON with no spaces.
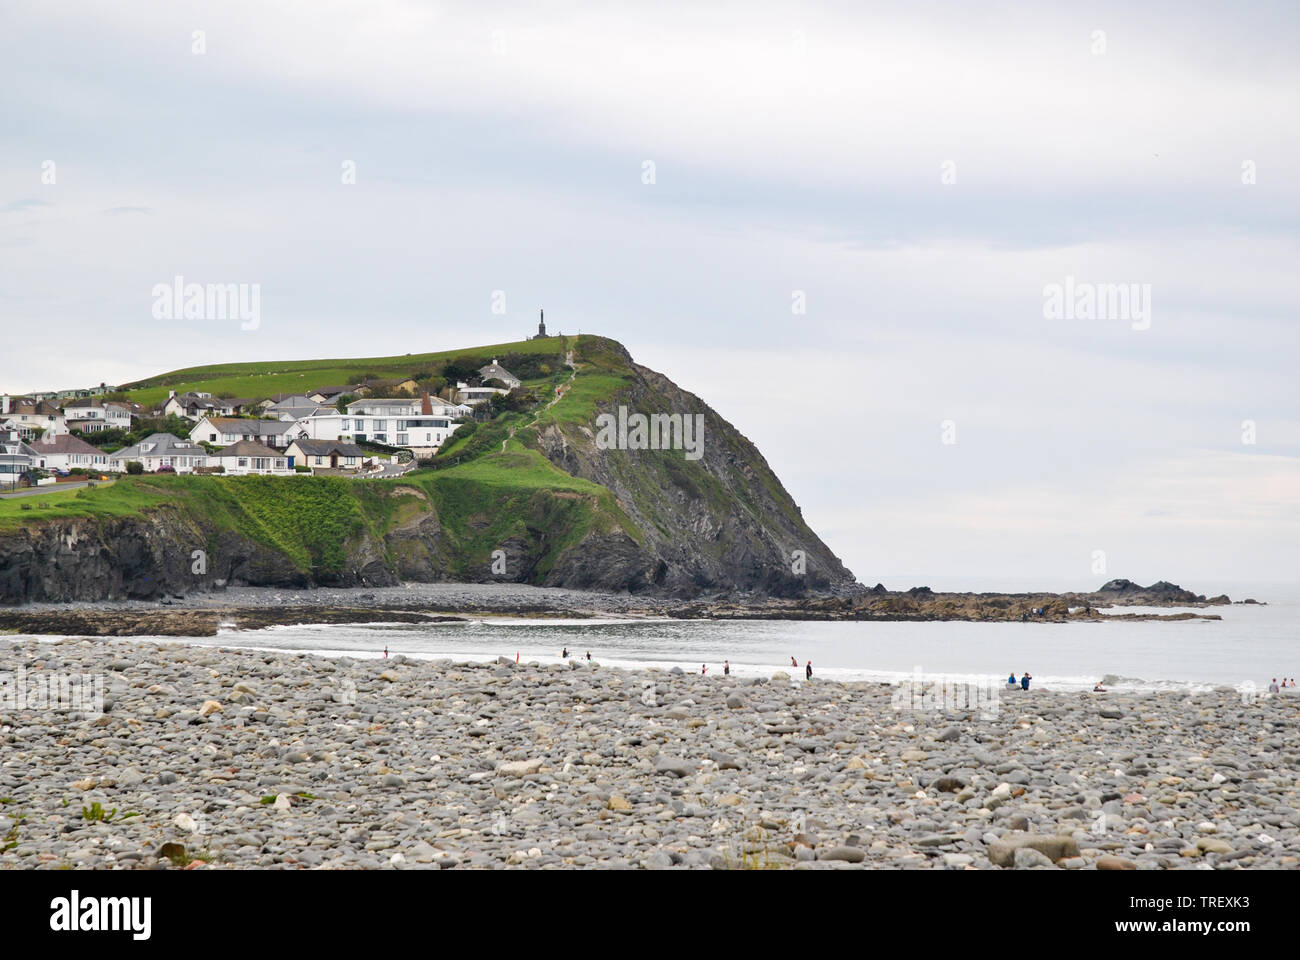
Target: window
{"x":243,"y":461}
{"x":401,"y":440}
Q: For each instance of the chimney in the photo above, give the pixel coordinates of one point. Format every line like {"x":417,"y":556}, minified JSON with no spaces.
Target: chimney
{"x":426,"y":405}
{"x":170,"y":394}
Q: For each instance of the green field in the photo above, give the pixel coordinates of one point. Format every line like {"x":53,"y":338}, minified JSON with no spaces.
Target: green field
{"x":107,"y":499}
{"x":263,"y":379}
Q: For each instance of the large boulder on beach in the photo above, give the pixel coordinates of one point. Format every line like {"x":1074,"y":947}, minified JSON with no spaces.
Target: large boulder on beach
{"x":673,"y":766}
{"x":1055,"y":847}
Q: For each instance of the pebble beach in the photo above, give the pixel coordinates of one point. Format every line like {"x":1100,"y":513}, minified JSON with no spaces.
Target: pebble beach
{"x":210,"y":758}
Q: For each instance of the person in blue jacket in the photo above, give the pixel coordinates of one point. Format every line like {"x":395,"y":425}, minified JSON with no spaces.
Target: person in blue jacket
{"x":1011,"y":680}
{"x":1024,"y":681}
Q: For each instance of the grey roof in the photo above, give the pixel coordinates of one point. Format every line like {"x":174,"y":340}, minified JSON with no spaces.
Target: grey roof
{"x":387,"y":402}
{"x":494,"y":371}
{"x":251,"y":428}
{"x":163,"y":445}
{"x":17,"y":448}
{"x":295,"y":406}
{"x":323,"y":448}
{"x":281,"y":397}
{"x":190,"y":401}
{"x":248,"y":448}
{"x":90,"y":402}
{"x":66,"y":443}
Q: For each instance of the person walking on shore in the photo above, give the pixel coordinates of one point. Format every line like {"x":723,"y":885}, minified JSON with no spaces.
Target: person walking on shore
{"x":588,"y":654}
{"x":726,"y":668}
{"x":703,"y":669}
{"x":808,"y":670}
{"x":794,"y":662}
{"x":385,"y":652}
{"x":564,"y":654}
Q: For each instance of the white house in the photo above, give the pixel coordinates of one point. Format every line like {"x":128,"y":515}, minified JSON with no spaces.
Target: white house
{"x":195,"y":405}
{"x":16,"y":458}
{"x":320,"y":455}
{"x":494,"y":371}
{"x":224,"y":431}
{"x":476,"y":395}
{"x":93,"y":414}
{"x":247,"y":457}
{"x":421,"y":425}
{"x":27,"y":417}
{"x":66,"y":452}
{"x":161,"y":450}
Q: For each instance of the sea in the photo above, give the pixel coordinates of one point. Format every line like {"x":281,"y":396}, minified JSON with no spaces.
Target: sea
{"x":1250,"y":646}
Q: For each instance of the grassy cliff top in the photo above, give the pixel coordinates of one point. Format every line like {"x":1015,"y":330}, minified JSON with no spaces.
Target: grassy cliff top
{"x":265,"y":378}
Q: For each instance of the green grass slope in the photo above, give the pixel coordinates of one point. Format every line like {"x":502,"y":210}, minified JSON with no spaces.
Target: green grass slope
{"x":265,"y":378}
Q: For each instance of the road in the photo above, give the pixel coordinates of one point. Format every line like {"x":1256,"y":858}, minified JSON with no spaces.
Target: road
{"x":7,"y":494}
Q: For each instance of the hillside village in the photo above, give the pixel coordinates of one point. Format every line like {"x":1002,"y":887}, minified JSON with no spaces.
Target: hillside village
{"x":374,"y":428}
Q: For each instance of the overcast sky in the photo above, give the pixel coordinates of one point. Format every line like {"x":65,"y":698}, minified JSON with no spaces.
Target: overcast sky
{"x":916,"y":174}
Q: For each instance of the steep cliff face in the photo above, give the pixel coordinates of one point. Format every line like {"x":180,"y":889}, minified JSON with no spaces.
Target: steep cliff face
{"x":547,"y":499}
{"x":131,"y":558}
{"x":712,"y":515}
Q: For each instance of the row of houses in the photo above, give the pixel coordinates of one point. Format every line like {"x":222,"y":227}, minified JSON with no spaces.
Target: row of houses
{"x":163,"y":452}
{"x":251,"y":436}
{"x":166,"y":453}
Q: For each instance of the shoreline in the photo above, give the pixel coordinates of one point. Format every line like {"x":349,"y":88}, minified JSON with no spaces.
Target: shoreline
{"x":278,"y":760}
{"x":253,"y":607}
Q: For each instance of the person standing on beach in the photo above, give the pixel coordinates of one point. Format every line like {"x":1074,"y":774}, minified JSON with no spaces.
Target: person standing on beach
{"x":588,"y":654}
{"x":1272,"y":687}
{"x":564,"y":654}
{"x":808,"y":670}
{"x":726,"y":668}
{"x":794,"y":662}
{"x":703,"y":669}
{"x":385,"y":652}
{"x":1024,"y":681}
